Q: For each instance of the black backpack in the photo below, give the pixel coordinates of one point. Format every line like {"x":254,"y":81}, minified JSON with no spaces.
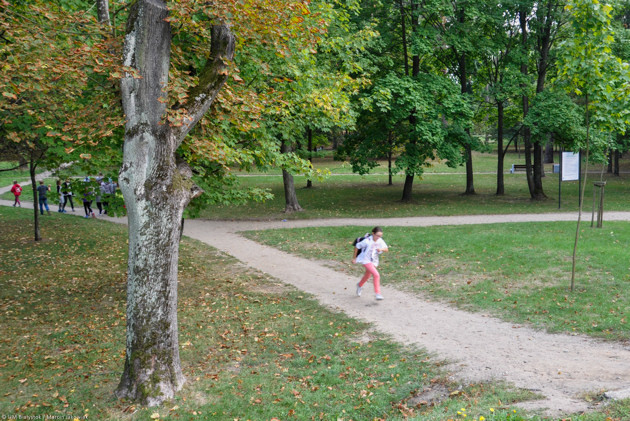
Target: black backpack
{"x":358,"y":240}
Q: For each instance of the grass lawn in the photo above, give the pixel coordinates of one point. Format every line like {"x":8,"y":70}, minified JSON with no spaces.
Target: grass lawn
{"x":437,"y":192}
{"x":252,"y":348}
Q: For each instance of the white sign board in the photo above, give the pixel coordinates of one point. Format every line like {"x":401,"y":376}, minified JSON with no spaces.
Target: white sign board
{"x":570,"y":166}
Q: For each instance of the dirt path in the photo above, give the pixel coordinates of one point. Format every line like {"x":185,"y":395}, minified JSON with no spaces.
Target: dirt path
{"x":480,"y":348}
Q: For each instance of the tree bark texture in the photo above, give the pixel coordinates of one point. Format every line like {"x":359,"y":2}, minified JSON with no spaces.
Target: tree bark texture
{"x":408,"y":188}
{"x":157,"y":187}
{"x":291,"y":200}
{"x":102,"y":11}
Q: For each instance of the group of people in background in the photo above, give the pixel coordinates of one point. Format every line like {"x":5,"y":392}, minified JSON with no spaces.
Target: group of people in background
{"x":99,"y":190}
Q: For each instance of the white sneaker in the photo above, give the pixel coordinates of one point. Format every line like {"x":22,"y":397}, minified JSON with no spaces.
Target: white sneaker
{"x":359,"y":290}
{"x":379,"y":297}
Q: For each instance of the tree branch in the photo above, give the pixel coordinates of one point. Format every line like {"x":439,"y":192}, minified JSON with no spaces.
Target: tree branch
{"x":211,"y":80}
{"x":12,"y":169}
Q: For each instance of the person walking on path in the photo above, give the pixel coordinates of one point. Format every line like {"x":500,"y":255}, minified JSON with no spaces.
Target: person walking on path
{"x":87,"y":202}
{"x":108,"y":192}
{"x":371,"y":248}
{"x":66,"y":189}
{"x":60,"y":196}
{"x":17,"y":191}
{"x":42,"y":191}
{"x":99,"y":195}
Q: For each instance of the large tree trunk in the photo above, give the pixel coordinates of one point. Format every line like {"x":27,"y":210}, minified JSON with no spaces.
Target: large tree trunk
{"x":157,"y":188}
{"x":290,"y":198}
{"x":500,"y":155}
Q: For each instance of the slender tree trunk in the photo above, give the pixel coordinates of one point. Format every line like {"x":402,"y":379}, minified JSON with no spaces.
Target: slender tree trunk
{"x":31,"y":169}
{"x":544,"y":46}
{"x":157,"y":187}
{"x":528,"y":153}
{"x":463,"y":81}
{"x":549,"y":158}
{"x":290,"y":197}
{"x":617,"y":156}
{"x":408,"y":187}
{"x":610,"y":162}
{"x":102,"y":10}
{"x":309,"y":133}
{"x":404,"y":36}
{"x":581,"y":193}
{"x":525,"y":103}
{"x":390,"y":158}
{"x":539,"y":193}
{"x":500,"y":155}
{"x":470,"y":187}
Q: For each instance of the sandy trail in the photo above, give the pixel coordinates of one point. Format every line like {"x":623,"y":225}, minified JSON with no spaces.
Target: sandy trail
{"x":480,"y":348}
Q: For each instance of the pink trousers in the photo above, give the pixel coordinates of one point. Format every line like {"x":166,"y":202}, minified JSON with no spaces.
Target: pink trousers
{"x":370,"y":270}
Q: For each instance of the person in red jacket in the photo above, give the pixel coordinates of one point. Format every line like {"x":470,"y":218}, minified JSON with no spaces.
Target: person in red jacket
{"x":17,"y":191}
